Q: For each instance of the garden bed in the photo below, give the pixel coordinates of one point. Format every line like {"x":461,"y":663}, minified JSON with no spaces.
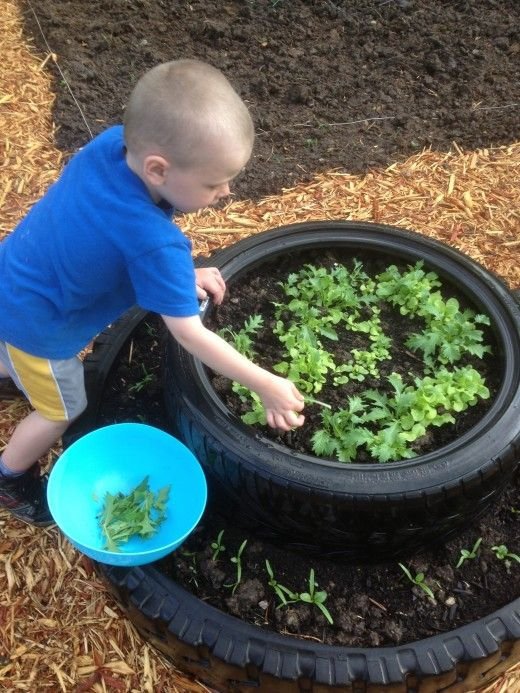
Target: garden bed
{"x":340,"y":344}
{"x":369,"y":605}
{"x":353,"y":85}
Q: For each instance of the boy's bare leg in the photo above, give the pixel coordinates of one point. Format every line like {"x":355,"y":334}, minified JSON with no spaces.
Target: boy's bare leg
{"x":32,"y":438}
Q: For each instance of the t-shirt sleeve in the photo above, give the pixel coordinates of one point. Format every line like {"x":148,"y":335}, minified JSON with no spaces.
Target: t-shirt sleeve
{"x":164,"y":280}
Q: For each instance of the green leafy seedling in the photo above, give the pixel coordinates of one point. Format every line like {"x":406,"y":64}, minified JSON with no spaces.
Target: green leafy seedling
{"x":237,"y":560}
{"x":316,"y":597}
{"x":465,"y":554}
{"x":502,"y":553}
{"x":151,"y":330}
{"x":243,"y":338}
{"x":281,"y":591}
{"x":145,"y":380}
{"x":418,"y":580}
{"x":139,"y":512}
{"x":217,"y":546}
{"x":191,"y":558}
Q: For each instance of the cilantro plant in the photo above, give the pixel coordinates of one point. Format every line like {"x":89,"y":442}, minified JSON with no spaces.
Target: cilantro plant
{"x":139,"y":512}
{"x":322,"y":305}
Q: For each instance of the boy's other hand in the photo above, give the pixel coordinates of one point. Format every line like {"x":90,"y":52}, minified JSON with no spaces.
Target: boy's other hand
{"x":210,"y":281}
{"x":282,"y":402}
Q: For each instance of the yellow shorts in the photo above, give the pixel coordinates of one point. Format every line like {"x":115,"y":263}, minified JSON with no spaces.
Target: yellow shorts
{"x":54,"y":387}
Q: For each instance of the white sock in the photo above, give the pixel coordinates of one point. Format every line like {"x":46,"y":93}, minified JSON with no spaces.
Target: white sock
{"x":6,"y":472}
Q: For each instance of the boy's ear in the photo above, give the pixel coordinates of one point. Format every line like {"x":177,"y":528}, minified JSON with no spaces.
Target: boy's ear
{"x":155,"y":168}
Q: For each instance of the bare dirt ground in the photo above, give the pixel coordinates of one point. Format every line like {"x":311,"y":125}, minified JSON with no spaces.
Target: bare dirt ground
{"x":349,"y":84}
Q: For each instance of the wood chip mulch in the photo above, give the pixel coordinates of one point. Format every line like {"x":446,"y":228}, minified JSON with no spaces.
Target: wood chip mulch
{"x":470,"y":200}
{"x":60,"y":629}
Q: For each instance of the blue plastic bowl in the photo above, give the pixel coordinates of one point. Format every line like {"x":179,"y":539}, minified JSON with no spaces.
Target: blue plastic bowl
{"x":115,"y":459}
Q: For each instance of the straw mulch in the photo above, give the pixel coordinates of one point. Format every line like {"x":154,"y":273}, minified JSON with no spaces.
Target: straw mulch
{"x":60,"y":630}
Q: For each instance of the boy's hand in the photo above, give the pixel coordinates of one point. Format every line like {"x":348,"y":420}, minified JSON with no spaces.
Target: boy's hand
{"x":209,"y":281}
{"x":280,"y":398}
{"x":282,"y":402}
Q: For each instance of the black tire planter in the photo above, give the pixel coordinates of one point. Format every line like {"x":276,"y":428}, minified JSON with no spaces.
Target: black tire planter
{"x":235,"y":657}
{"x":361,"y":512}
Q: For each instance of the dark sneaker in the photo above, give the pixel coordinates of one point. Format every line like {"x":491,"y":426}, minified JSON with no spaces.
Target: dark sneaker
{"x":25,"y":497}
{"x":8,"y":389}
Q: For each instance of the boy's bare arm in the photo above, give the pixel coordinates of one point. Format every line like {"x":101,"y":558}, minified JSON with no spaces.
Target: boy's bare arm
{"x":279,"y":396}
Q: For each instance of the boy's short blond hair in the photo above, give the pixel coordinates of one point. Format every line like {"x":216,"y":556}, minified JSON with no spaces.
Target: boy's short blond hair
{"x":179,"y":106}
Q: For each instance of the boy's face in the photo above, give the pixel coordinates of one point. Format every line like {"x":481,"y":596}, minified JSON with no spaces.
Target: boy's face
{"x":190,"y":189}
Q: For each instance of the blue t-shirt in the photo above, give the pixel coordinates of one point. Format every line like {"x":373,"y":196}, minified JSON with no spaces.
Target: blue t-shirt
{"x":92,"y":247}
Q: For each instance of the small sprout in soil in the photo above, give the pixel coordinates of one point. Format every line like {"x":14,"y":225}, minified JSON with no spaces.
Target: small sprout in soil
{"x":139,"y":512}
{"x":192,"y":557}
{"x":315,"y":597}
{"x":515,"y":511}
{"x":237,"y":560}
{"x":280,"y":590}
{"x":287,"y":596}
{"x":151,"y":330}
{"x":502,"y":553}
{"x":217,"y":546}
{"x":465,"y":554}
{"x":145,"y":380}
{"x":310,"y":142}
{"x":418,"y":580}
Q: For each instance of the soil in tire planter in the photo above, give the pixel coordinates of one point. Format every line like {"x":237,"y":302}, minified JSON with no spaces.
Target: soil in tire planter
{"x":256,"y":292}
{"x":370,"y":605}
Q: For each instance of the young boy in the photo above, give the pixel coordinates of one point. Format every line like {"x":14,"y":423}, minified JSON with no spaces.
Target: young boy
{"x":102,"y":240}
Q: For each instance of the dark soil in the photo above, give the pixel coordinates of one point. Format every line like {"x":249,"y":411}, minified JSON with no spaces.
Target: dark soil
{"x":353,"y":84}
{"x":370,"y":605}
